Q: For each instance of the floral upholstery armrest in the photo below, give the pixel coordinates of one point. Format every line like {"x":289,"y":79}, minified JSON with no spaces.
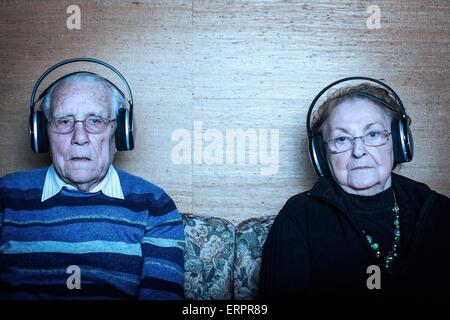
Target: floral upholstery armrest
{"x":251,"y":235}
{"x":209,"y":256}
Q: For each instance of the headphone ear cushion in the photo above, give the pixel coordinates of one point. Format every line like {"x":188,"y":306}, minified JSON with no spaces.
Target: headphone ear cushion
{"x":124,"y":131}
{"x":396,"y":142}
{"x":38,"y":132}
{"x":318,"y":156}
{"x":120,"y":131}
{"x":131,"y":130}
{"x":410,"y":148}
{"x":42,"y":132}
{"x":323,"y":155}
{"x":402,"y":141}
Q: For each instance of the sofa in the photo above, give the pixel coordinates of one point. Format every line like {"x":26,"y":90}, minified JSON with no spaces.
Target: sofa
{"x":222,"y":261}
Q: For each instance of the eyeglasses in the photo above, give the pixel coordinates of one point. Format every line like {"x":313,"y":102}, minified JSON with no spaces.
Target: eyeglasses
{"x":92,"y":124}
{"x":345,"y":142}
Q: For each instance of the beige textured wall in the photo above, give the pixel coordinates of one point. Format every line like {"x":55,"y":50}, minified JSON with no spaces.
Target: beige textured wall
{"x":232,"y":65}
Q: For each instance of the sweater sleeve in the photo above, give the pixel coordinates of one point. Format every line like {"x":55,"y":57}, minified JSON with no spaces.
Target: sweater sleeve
{"x":163,"y":252}
{"x":285,"y":266}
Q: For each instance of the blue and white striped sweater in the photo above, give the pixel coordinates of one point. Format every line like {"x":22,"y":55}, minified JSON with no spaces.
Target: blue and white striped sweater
{"x":131,"y":248}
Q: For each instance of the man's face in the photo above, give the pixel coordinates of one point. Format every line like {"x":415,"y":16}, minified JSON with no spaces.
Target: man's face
{"x":82,"y":158}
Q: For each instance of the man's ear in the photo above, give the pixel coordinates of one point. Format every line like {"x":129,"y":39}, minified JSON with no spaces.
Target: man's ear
{"x":113,"y":142}
{"x":50,"y":151}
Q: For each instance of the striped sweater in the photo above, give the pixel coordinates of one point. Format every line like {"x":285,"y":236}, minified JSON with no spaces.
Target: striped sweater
{"x":124,"y":249}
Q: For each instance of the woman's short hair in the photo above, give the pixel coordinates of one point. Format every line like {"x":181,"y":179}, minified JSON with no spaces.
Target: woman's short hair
{"x":351,"y":92}
{"x":117,"y":97}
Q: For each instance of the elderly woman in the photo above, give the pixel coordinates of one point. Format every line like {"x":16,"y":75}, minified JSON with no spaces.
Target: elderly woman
{"x":362,"y":230}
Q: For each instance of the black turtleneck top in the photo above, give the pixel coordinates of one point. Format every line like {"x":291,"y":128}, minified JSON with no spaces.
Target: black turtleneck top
{"x":374,"y":215}
{"x":314,"y":250}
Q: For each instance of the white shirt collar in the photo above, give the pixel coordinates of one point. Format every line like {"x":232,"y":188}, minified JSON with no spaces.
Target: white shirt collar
{"x":109,"y":186}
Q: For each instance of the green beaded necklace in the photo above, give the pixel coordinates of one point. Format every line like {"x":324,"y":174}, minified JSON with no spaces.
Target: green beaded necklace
{"x":376,"y":247}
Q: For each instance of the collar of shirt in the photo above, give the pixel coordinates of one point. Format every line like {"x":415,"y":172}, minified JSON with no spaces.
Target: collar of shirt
{"x":110,"y":185}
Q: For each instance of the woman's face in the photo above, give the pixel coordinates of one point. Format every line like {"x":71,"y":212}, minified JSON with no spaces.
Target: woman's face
{"x":362,"y":170}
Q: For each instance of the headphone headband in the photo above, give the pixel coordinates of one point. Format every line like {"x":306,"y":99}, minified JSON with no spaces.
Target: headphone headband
{"x":372,"y":97}
{"x":64,"y":62}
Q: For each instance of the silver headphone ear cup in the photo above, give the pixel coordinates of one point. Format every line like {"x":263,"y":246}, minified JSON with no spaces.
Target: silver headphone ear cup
{"x":317,"y":156}
{"x":407,"y":140}
{"x":127,"y":131}
{"x":313,"y":157}
{"x":124,"y":131}
{"x":32,"y":132}
{"x":38,"y":132}
{"x":410,"y":144}
{"x":402,"y":142}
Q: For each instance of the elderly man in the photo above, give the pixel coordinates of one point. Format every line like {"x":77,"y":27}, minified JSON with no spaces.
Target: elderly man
{"x":81,"y":228}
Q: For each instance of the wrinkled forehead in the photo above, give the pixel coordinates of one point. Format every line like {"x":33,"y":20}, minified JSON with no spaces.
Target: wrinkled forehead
{"x":357,"y":114}
{"x":82,"y":98}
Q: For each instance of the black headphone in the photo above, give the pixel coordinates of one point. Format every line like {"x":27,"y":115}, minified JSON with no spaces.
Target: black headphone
{"x":38,"y":123}
{"x":403,"y":145}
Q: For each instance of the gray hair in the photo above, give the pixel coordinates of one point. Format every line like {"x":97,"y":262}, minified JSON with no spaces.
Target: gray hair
{"x":118,"y":99}
{"x":348,"y":93}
